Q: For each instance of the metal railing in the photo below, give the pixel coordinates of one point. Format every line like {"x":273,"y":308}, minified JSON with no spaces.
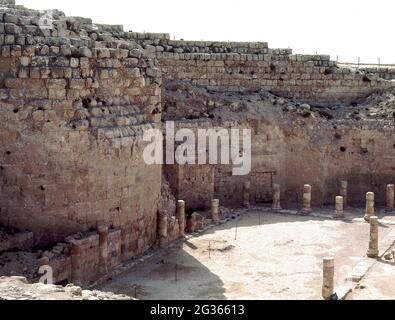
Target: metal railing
{"x":360,"y":64}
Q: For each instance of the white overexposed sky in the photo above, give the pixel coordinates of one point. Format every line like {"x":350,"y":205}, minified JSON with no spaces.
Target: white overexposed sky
{"x":345,"y":28}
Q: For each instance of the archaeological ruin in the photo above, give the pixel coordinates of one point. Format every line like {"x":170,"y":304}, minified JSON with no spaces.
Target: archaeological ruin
{"x":76,"y":98}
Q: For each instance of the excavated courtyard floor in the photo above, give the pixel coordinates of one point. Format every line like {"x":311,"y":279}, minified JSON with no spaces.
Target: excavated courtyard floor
{"x":266,"y":255}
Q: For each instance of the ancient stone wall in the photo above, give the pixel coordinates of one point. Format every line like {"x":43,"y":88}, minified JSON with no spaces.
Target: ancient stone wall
{"x":314,"y":153}
{"x":320,"y":156}
{"x":75,"y":101}
{"x":233,"y":66}
{"x":359,"y":154}
{"x":194,"y":183}
{"x":292,"y":144}
{"x":387,"y":73}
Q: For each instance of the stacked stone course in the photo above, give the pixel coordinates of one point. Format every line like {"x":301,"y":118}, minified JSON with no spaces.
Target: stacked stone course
{"x":76,"y":99}
{"x":230,"y":66}
{"x":387,"y":73}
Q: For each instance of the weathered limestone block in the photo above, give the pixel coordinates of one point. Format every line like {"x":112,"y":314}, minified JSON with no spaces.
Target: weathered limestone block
{"x":195,"y":222}
{"x":85,"y":52}
{"x":114,"y":248}
{"x":16,"y":51}
{"x":10,"y":18}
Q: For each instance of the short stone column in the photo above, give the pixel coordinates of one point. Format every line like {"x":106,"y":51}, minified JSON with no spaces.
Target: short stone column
{"x":76,"y":264}
{"x":339,"y":207}
{"x":181,"y":216}
{"x":246,"y":194}
{"x":390,"y":197}
{"x":215,"y":210}
{"x":328,"y":277}
{"x":369,"y":205}
{"x":192,"y":223}
{"x":373,"y":251}
{"x":306,"y":199}
{"x":103,"y":247}
{"x":162,"y":227}
{"x":343,"y":192}
{"x":276,"y":197}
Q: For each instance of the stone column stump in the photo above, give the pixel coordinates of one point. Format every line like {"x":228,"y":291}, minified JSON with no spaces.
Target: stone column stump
{"x":369,"y":205}
{"x":306,"y":200}
{"x":343,"y":192}
{"x":276,"y":197}
{"x":181,"y":216}
{"x":162,"y":227}
{"x":215,"y":210}
{"x":390,"y":197}
{"x":103,"y":247}
{"x":373,"y":251}
{"x":328,"y":277}
{"x":339,"y":208}
{"x":246,"y":194}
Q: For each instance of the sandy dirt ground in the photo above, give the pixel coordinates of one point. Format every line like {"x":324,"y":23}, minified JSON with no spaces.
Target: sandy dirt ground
{"x":270,"y":256}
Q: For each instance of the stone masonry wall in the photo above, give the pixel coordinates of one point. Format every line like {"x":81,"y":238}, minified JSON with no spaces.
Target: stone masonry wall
{"x":310,"y":151}
{"x":292,"y":144}
{"x":233,"y":66}
{"x":75,"y":99}
{"x":387,"y":73}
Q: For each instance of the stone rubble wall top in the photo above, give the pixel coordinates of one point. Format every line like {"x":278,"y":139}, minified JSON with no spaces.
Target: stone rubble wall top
{"x":53,"y":27}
